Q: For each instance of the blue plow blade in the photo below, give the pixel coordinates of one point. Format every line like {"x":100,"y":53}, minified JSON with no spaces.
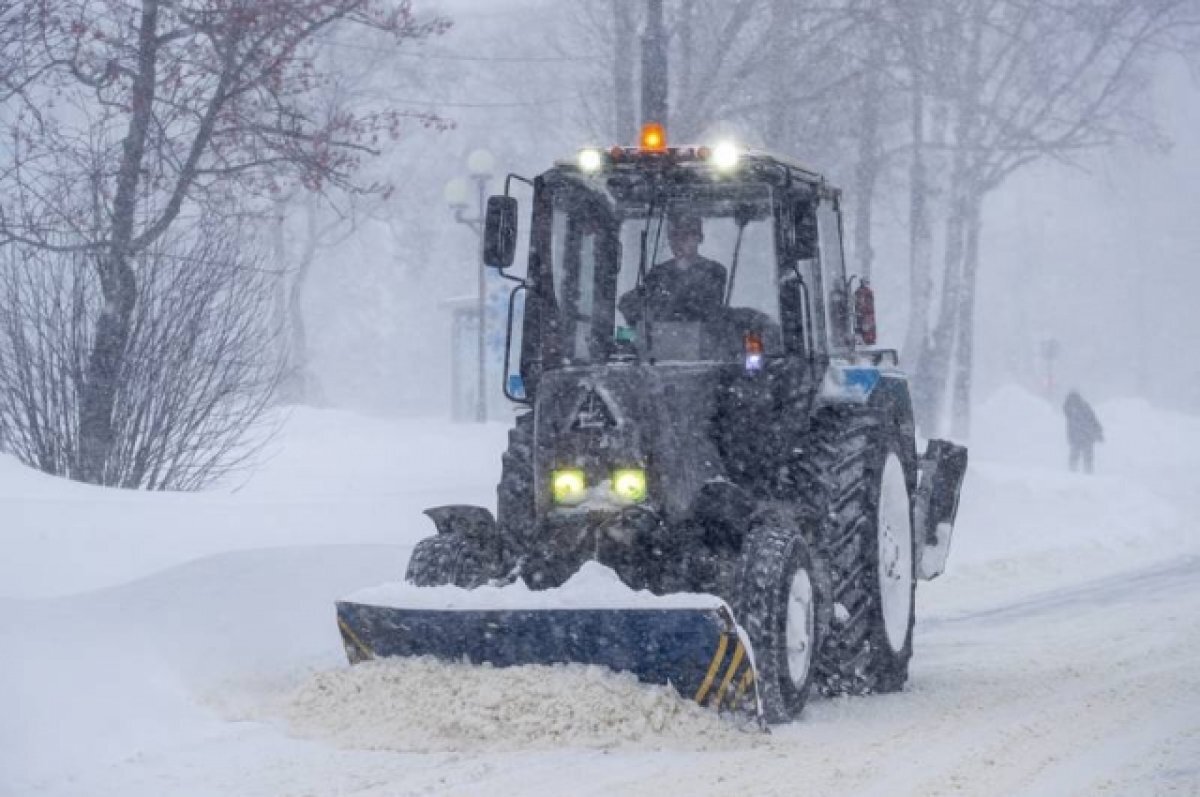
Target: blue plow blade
{"x":697,"y":651}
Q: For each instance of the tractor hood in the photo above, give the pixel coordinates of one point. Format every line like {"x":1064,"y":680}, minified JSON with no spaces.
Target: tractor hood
{"x":657,"y":418}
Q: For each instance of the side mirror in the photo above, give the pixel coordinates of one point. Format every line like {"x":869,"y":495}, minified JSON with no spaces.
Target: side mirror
{"x":500,"y":232}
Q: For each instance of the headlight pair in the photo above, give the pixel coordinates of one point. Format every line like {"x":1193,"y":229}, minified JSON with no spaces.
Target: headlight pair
{"x":569,"y":485}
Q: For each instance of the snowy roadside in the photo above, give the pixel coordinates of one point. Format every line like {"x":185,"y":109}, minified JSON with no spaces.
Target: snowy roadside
{"x":1026,"y":525}
{"x":333,"y":478}
{"x":171,"y":644}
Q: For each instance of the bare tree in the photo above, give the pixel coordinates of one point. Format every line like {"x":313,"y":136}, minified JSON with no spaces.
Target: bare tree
{"x":198,"y":369}
{"x":1021,"y":81}
{"x":126,"y":116}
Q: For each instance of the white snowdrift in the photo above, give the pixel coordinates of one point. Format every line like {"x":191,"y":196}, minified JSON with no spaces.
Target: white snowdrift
{"x":332,"y":478}
{"x":425,"y":705}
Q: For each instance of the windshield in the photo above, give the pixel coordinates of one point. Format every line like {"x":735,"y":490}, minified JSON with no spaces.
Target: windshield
{"x":683,"y":277}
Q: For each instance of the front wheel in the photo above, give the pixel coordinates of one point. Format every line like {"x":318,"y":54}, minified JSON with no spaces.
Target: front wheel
{"x":782,"y":604}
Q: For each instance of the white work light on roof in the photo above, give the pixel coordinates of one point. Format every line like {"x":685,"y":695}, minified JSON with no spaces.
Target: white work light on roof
{"x":590,"y":160}
{"x":725,"y":155}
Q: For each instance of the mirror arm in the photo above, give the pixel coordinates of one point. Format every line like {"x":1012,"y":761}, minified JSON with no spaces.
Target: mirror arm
{"x":511,"y":176}
{"x":512,"y":302}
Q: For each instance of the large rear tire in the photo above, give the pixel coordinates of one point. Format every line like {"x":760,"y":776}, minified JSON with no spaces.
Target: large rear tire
{"x":781,"y":598}
{"x":858,"y":471}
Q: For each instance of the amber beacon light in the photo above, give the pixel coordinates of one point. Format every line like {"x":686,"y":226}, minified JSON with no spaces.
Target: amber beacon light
{"x":654,"y":137}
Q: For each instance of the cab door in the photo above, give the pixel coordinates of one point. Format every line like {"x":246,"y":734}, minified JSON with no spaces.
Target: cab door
{"x":835,"y":297}
{"x":802,"y":306}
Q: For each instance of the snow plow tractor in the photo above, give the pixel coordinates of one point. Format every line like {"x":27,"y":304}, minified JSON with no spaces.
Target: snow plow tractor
{"x":707,"y":416}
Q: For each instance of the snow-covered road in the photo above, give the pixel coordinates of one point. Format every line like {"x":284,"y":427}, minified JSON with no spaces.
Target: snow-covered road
{"x":1059,"y":655}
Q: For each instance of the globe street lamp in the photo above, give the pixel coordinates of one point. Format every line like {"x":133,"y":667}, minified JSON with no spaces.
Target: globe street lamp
{"x":480,"y":166}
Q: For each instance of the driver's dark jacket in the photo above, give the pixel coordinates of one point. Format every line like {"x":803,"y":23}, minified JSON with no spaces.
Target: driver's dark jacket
{"x":678,"y":293}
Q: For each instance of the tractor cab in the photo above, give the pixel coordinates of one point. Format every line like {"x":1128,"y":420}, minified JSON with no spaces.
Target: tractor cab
{"x":669,"y":255}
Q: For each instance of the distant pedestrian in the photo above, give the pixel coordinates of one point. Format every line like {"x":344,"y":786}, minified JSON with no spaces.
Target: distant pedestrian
{"x":1083,"y":431}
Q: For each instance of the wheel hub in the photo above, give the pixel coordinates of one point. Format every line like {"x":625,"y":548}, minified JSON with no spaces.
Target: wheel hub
{"x":895,"y":553}
{"x":800,"y":628}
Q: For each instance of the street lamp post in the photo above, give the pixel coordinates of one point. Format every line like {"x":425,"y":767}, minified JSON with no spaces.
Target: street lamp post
{"x":480,"y":165}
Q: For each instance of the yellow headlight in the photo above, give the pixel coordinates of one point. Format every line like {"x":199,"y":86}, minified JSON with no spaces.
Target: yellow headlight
{"x":568,"y":485}
{"x":629,"y":484}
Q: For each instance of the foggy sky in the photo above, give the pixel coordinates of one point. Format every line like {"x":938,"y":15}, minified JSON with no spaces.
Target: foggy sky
{"x":1101,"y":257}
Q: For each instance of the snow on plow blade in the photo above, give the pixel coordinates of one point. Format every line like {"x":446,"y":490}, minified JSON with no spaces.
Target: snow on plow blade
{"x":696,"y":650}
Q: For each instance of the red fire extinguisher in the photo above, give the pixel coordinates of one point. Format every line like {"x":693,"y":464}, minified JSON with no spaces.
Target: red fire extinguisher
{"x":864,"y":313}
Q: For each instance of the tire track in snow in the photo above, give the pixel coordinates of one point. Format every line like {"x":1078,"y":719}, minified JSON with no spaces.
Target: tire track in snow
{"x":1128,"y":660}
{"x":1001,"y":701}
{"x":1141,"y":584}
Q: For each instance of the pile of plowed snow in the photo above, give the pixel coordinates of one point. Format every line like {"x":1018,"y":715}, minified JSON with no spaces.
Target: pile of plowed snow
{"x":423,"y":705}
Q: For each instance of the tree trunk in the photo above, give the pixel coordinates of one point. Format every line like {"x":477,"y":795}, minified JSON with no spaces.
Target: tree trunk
{"x":286,"y":392}
{"x":933,"y":372}
{"x":684,"y":30}
{"x":304,"y":388}
{"x":866,"y":173}
{"x":655,"y":80}
{"x":920,"y":230}
{"x":624,"y":34}
{"x":310,"y":387}
{"x":118,"y":282}
{"x":299,"y":384}
{"x":779,"y":113}
{"x":964,"y":359}
{"x":920,"y":242}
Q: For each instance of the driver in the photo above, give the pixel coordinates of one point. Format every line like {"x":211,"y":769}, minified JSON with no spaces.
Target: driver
{"x":688,"y":287}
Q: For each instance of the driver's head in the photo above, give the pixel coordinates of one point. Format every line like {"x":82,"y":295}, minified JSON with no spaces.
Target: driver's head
{"x":684,"y":233}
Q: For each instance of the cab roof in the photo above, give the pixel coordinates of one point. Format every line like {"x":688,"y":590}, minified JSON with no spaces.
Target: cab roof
{"x":691,"y":163}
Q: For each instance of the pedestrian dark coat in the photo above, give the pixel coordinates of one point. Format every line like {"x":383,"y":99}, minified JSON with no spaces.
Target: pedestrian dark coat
{"x":1083,"y":427}
{"x":1083,"y":431}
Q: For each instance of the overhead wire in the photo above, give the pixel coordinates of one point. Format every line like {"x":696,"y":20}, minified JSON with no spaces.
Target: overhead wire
{"x":453,"y":104}
{"x":519,"y":59}
{"x":533,"y":59}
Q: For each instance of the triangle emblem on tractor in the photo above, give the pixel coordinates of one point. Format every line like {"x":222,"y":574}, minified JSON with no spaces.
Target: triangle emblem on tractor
{"x":593,"y":413}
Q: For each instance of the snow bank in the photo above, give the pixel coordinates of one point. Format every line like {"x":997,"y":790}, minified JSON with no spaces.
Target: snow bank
{"x":593,"y":587}
{"x":423,"y":705}
{"x":1026,"y":522}
{"x":326,"y":453}
{"x":332,"y":477}
{"x":1014,"y":426}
